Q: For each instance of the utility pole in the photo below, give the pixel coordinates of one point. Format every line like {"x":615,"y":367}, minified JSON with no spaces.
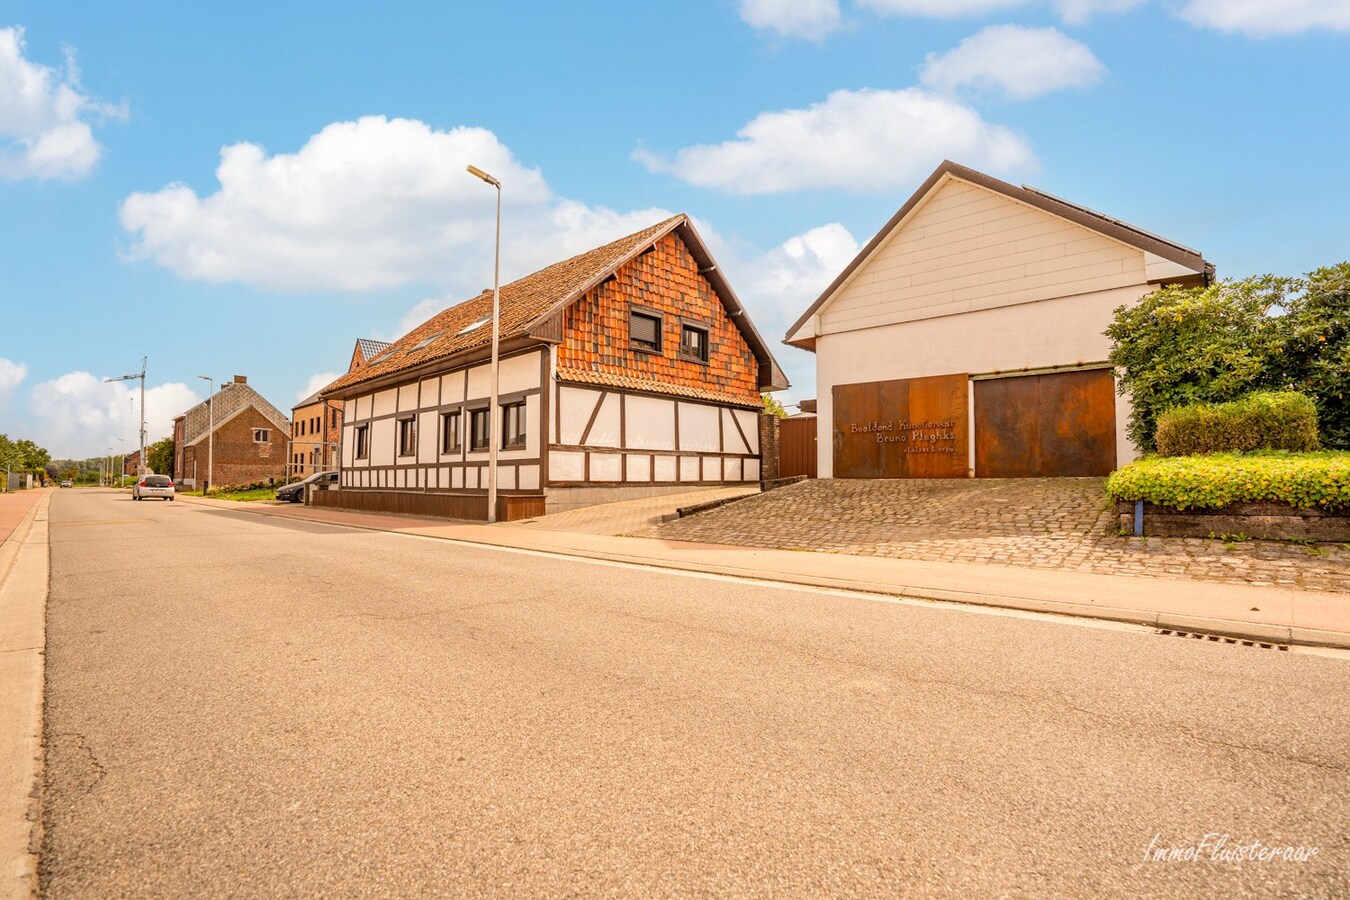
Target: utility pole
{"x":140,"y":465}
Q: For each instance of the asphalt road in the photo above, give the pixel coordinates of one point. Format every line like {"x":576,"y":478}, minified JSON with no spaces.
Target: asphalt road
{"x":248,"y":706}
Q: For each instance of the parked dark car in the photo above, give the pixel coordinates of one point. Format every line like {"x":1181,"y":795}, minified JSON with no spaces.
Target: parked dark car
{"x":295,"y":493}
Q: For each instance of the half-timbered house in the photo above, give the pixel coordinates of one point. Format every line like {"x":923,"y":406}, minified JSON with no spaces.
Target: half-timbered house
{"x":627,"y":371}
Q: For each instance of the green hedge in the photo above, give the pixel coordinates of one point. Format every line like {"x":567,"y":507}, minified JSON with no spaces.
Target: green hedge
{"x":1268,"y":420}
{"x":1303,"y":480}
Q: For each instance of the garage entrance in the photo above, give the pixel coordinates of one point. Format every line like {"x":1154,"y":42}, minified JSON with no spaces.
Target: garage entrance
{"x":1061,"y":424}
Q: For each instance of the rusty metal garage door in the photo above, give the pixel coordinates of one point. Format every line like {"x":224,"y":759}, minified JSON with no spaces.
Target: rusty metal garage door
{"x":1046,"y":425}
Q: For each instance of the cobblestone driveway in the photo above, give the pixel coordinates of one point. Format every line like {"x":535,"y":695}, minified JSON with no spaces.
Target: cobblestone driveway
{"x":1049,"y":523}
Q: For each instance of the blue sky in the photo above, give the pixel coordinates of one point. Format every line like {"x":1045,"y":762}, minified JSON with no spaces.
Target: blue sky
{"x":248,"y":193}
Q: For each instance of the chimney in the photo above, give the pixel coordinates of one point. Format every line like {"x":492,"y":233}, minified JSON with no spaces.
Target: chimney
{"x":241,"y":379}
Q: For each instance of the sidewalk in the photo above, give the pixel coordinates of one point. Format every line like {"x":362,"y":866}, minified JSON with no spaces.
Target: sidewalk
{"x":23,"y":601}
{"x":1270,"y":614}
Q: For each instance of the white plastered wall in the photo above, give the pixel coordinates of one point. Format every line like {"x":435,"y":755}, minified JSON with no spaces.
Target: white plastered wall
{"x":976,"y":282}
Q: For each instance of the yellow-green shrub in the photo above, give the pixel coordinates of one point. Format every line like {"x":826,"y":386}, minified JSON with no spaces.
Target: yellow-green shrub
{"x":1303,"y":480}
{"x":1267,"y":420}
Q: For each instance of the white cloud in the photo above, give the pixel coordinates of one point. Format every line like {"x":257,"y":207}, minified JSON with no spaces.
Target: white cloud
{"x":78,"y":415}
{"x":809,"y":19}
{"x":855,"y":140}
{"x":364,"y":205}
{"x":44,"y":116}
{"x":783,"y":282}
{"x":1021,"y":62}
{"x":322,"y":379}
{"x":12,"y":375}
{"x":1259,"y":18}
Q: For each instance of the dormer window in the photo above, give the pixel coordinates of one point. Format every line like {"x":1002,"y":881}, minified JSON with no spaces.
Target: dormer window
{"x":644,"y":331}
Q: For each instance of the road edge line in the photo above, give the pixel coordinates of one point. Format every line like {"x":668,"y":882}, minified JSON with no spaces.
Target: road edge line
{"x":25,"y":584}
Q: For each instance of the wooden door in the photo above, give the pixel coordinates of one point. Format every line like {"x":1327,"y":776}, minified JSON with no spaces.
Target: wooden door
{"x":797,"y":447}
{"x":1061,"y":424}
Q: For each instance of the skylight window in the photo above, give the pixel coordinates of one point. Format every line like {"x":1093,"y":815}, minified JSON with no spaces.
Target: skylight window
{"x":427,"y":340}
{"x":474,"y":326}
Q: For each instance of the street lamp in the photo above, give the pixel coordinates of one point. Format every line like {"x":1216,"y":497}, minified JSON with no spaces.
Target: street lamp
{"x":140,"y":465}
{"x":496,"y":324}
{"x":210,"y":429}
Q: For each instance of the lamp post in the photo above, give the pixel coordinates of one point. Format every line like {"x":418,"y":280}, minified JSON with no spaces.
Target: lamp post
{"x":140,"y":465}
{"x":493,"y":412}
{"x":210,"y":430}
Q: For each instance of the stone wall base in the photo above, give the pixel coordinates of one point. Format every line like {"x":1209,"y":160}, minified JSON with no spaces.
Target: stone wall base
{"x":1273,"y":521}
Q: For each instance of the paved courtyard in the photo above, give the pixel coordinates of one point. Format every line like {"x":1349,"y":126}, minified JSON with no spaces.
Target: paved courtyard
{"x":1053,"y":523}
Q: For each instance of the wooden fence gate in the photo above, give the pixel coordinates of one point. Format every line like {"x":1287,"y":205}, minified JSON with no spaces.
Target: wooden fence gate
{"x":797,"y":447}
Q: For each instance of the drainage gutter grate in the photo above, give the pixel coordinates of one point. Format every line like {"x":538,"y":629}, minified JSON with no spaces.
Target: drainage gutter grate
{"x":1222,"y":639}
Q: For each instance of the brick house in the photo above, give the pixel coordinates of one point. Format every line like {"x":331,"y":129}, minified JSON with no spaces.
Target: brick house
{"x":250,"y":439}
{"x":131,"y":463}
{"x":316,"y":423}
{"x":630,"y":370}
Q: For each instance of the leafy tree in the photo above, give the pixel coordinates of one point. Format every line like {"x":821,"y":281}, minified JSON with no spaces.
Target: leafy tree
{"x":772,"y":405}
{"x":159,"y":456}
{"x":32,"y":456}
{"x":1218,"y":343}
{"x":1315,"y":348}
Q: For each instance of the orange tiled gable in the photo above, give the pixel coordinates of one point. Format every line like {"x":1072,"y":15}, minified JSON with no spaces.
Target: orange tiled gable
{"x":595,"y":347}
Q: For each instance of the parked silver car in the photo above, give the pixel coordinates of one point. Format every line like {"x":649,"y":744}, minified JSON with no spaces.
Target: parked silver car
{"x":153,"y":486}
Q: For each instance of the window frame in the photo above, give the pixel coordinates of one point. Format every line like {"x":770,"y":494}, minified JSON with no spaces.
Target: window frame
{"x":457,"y":416}
{"x":703,"y":328}
{"x":407,"y":436}
{"x":519,"y":440}
{"x":648,"y":313}
{"x":361,"y":442}
{"x":266,"y":435}
{"x":474,"y":445}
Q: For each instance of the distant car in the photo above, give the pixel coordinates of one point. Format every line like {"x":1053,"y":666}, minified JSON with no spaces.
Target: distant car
{"x":69,"y":484}
{"x":153,"y":486}
{"x":295,"y":493}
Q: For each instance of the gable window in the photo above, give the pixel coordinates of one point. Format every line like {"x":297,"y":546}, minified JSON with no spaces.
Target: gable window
{"x":644,"y":331}
{"x":450,"y":432}
{"x":513,"y":425}
{"x":694,"y":342}
{"x":407,"y":437}
{"x":362,"y":441}
{"x":262,"y":435}
{"x":478,"y":429}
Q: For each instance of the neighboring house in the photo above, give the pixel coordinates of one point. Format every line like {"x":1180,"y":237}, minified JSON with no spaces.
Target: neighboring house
{"x":627,"y":371}
{"x":316,"y":423}
{"x":250,"y":439}
{"x":131,"y":463}
{"x":967,"y":336}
